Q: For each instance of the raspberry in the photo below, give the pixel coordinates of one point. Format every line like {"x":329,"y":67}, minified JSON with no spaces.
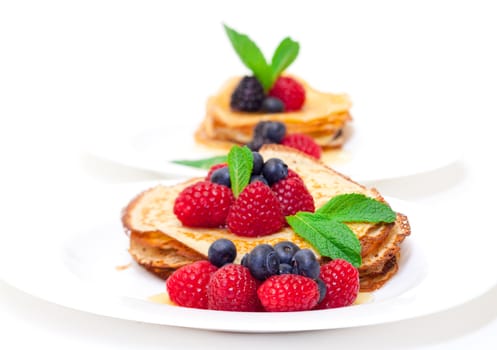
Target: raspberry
{"x":342,"y":284}
{"x":303,"y":143}
{"x":293,"y":175}
{"x":248,"y":95}
{"x":256,"y":212}
{"x":290,"y":92}
{"x":214,"y":168}
{"x":203,"y":204}
{"x":293,"y":196}
{"x":233,"y":288}
{"x":288,"y":293}
{"x":187,"y":286}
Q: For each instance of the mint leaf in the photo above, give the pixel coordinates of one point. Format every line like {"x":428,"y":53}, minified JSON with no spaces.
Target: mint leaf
{"x":251,"y":56}
{"x":355,"y":207}
{"x":285,"y":54}
{"x":330,"y":238}
{"x":205,"y":163}
{"x":240,"y":163}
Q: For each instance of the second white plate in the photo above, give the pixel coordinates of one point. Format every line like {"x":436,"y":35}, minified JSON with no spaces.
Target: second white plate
{"x":369,"y":154}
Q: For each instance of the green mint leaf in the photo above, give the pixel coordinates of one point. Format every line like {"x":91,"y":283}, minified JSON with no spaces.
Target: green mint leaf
{"x":285,"y":54}
{"x":329,"y":237}
{"x":240,"y":163}
{"x":205,"y":163}
{"x":251,"y":56}
{"x":355,"y":207}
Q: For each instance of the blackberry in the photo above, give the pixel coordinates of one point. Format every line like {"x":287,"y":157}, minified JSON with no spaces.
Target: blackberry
{"x":248,"y":95}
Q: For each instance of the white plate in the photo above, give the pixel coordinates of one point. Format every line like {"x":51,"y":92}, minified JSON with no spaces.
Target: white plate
{"x":370,"y":153}
{"x":72,"y":261}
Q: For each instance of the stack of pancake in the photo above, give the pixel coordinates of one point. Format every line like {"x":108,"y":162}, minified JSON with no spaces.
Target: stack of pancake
{"x":322,"y":117}
{"x":161,"y":244}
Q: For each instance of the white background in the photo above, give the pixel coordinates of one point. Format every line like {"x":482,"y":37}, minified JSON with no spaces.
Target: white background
{"x":74,"y":71}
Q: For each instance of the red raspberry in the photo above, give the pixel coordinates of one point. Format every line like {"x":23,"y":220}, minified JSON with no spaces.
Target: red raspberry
{"x":288,"y":292}
{"x":293,"y":196}
{"x":293,"y":175}
{"x":233,"y":288}
{"x":214,"y":168}
{"x":342,"y":284}
{"x":303,"y":143}
{"x":290,"y":92}
{"x":187,"y":286}
{"x":256,"y":212}
{"x":203,"y":204}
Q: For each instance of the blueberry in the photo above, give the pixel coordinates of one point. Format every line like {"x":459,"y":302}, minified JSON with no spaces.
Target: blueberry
{"x":322,"y":289}
{"x":272,"y":105}
{"x":221,"y":176}
{"x":260,"y":178}
{"x":285,"y":251}
{"x":304,"y":263}
{"x":259,"y":130}
{"x":274,"y":170}
{"x":258,"y":163}
{"x":221,"y":252}
{"x":285,"y":269}
{"x":274,"y":131}
{"x":256,"y":143}
{"x":244,"y":261}
{"x":263,"y":262}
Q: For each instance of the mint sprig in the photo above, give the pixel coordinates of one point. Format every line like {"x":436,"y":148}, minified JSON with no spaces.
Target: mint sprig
{"x":330,"y":237}
{"x":240,"y":164}
{"x":355,"y":207}
{"x":204,"y":163}
{"x":326,"y":229}
{"x":253,"y":58}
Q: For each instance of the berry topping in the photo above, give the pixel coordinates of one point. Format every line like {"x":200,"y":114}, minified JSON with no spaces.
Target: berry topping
{"x":342,"y":284}
{"x":303,"y":143}
{"x":248,"y":95}
{"x":293,"y":175}
{"x":288,"y":293}
{"x":203,"y":204}
{"x":256,"y":143}
{"x":263,"y":262}
{"x":256,"y":212}
{"x":221,"y":252}
{"x":258,"y":163}
{"x":285,"y":251}
{"x":305,"y":263}
{"x":233,"y":288}
{"x":272,"y":105}
{"x":187,"y":286}
{"x":214,"y":168}
{"x":221,"y":176}
{"x":322,"y":289}
{"x":285,"y":269}
{"x":274,"y":170}
{"x":272,"y":132}
{"x":260,"y":178}
{"x":290,"y":92}
{"x":293,"y":196}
